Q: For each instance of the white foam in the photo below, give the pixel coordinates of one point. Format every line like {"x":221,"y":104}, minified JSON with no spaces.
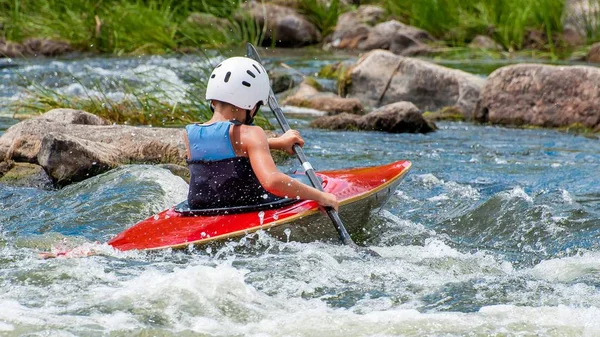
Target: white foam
{"x":174,"y":187}
{"x":568,"y":269}
{"x":294,"y":110}
{"x":516,"y":193}
{"x":430,"y":180}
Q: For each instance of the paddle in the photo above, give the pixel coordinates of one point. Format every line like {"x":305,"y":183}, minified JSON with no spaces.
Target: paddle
{"x":310,"y":172}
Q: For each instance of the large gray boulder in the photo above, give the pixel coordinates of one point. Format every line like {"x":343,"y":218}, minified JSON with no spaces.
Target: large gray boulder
{"x":542,"y":95}
{"x":381,"y":77}
{"x":284,"y":26}
{"x":73,"y":145}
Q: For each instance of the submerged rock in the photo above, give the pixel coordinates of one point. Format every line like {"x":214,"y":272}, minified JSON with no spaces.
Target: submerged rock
{"x":381,"y":77}
{"x":542,"y":95}
{"x":400,"y":117}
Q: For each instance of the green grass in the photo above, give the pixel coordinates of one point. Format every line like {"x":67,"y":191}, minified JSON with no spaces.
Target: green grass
{"x":158,"y":26}
{"x":322,"y":14}
{"x":458,"y":21}
{"x":138,"y":106}
{"x":126,"y":26}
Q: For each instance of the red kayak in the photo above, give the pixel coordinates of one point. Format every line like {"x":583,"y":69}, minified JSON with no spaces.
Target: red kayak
{"x":359,"y":191}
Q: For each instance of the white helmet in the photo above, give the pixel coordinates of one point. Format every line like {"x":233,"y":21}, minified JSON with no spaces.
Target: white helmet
{"x":240,"y":81}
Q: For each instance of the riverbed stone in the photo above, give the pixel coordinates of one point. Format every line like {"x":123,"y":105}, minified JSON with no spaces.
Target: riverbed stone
{"x":485,"y":42}
{"x":71,"y":152}
{"x":542,"y":95}
{"x":400,"y":117}
{"x":343,"y":121}
{"x":380,"y":77}
{"x":397,"y":37}
{"x":308,"y":96}
{"x":46,"y":47}
{"x":349,"y":31}
{"x":593,"y":54}
{"x":73,"y":116}
{"x":34,"y":47}
{"x":284,"y":25}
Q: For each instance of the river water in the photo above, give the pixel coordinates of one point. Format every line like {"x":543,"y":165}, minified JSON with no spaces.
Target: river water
{"x":495,"y":231}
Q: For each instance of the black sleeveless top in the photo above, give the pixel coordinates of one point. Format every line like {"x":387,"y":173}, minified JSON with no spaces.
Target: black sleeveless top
{"x":223,"y":183}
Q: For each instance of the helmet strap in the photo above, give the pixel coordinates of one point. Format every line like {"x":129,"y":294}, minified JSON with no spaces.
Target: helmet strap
{"x":249,"y":117}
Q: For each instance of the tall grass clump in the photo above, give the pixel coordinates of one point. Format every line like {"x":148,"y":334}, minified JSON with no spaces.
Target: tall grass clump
{"x":458,"y":21}
{"x":322,"y":14}
{"x":127,"y":26}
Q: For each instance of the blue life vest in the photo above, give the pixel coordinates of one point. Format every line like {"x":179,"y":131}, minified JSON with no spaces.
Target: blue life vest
{"x":219,"y":178}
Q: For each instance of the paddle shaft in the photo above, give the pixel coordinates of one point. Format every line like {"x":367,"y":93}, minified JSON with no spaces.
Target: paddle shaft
{"x":310,"y":171}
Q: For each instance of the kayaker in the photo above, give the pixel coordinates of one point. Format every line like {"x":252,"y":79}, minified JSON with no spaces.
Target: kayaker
{"x":228,"y":157}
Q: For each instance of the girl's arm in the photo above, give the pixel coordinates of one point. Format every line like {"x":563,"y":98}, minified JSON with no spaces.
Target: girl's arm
{"x":286,"y":141}
{"x":274,"y":181}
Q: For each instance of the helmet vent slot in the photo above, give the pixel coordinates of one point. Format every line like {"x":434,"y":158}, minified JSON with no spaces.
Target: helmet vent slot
{"x":255,"y":67}
{"x":212,"y":76}
{"x":250,"y":73}
{"x":227,"y":76}
{"x":246,"y":84}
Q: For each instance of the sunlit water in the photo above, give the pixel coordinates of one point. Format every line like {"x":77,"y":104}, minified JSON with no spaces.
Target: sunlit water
{"x":494,"y":232}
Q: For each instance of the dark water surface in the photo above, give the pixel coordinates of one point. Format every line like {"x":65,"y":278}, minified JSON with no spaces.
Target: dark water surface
{"x":495,"y":231}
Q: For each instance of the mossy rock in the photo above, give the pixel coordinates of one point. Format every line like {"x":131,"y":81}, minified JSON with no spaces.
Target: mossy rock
{"x":26,"y":175}
{"x":445,"y":114}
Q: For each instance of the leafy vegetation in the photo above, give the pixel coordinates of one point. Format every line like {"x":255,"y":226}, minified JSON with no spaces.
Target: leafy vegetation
{"x":157,"y":26}
{"x":126,"y":26}
{"x":458,"y":21}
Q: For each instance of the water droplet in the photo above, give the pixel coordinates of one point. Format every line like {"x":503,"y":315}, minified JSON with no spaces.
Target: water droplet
{"x":261,"y":217}
{"x":156,"y":217}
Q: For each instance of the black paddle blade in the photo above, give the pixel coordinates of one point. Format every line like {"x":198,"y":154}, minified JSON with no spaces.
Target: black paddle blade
{"x":252,"y":53}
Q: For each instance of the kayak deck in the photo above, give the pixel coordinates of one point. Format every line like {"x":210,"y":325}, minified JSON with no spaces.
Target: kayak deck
{"x":368,"y":186}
